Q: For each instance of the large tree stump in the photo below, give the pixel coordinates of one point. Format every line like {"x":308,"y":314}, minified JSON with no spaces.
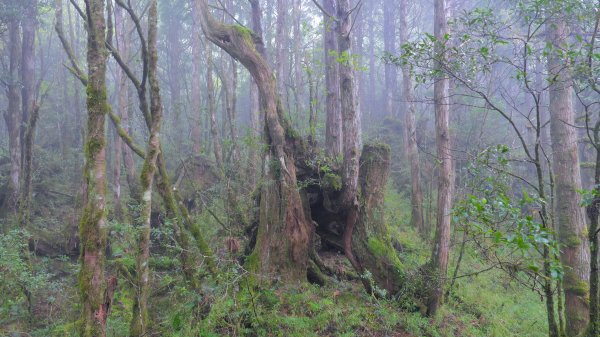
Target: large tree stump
{"x":371,"y":240}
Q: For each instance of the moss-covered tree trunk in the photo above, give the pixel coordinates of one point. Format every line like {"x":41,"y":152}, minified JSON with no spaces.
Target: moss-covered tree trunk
{"x":371,"y":240}
{"x":569,"y":214}
{"x":283,"y":235}
{"x":140,"y":320}
{"x":92,"y":284}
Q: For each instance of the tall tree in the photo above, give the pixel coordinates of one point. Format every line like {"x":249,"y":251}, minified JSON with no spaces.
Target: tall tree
{"x":196,"y":92}
{"x":141,"y":320}
{"x":93,"y":234}
{"x":389,"y":42}
{"x":333,"y":127}
{"x":441,"y":248}
{"x":569,"y":214}
{"x":416,"y":198}
{"x":12,"y":116}
{"x":352,"y":133}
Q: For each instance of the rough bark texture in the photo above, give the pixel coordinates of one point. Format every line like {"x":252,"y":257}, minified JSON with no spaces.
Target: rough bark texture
{"x":569,"y":214}
{"x":439,"y":257}
{"x":333,"y":126}
{"x":95,"y":305}
{"x":284,"y":229}
{"x":371,"y":241}
{"x":140,"y":319}
{"x":411,"y":131}
{"x":12,"y":116}
{"x":352,"y":143}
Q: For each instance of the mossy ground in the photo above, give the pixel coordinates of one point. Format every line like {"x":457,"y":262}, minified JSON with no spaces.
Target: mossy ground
{"x":485,"y":305}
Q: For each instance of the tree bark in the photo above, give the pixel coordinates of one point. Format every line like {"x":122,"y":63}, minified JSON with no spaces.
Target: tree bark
{"x":12,"y":116}
{"x":196,"y":93}
{"x":352,"y":139}
{"x":141,"y":319}
{"x":93,"y":233}
{"x":389,"y":42}
{"x":569,"y":214}
{"x":333,"y":126}
{"x":214,"y":130}
{"x":371,"y":239}
{"x":439,"y":257}
{"x":284,"y":227}
{"x":411,"y":131}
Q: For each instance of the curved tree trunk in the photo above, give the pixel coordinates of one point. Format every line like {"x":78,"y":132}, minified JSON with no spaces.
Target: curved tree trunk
{"x":284,"y":229}
{"x":141,"y":319}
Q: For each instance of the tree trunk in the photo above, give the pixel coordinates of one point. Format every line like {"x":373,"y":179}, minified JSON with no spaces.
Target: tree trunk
{"x":439,"y":257}
{"x":284,"y":229}
{"x":333,"y":127}
{"x":371,"y":239}
{"x":389,"y":42}
{"x":210,"y":88}
{"x":569,"y":215}
{"x":351,"y":126}
{"x":411,"y":131}
{"x":12,"y":116}
{"x":140,"y":319}
{"x":280,"y":52}
{"x":93,"y":236}
{"x":196,"y":93}
{"x":28,"y":24}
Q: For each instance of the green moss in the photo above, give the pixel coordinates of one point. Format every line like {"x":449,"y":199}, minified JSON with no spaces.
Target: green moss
{"x":252,"y":262}
{"x":92,"y":147}
{"x":377,"y":247}
{"x":333,"y":180}
{"x":570,"y":239}
{"x":574,"y":284}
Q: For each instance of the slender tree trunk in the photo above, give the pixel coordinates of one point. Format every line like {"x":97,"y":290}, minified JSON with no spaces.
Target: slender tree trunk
{"x":411,"y":131}
{"x":439,"y":257}
{"x":196,"y":90}
{"x":93,"y":235}
{"x":141,"y":319}
{"x":124,"y":99}
{"x":569,"y":215}
{"x":210,"y":88}
{"x":593,"y":213}
{"x":389,"y":42}
{"x":12,"y":116}
{"x":372,"y":69}
{"x":254,"y":97}
{"x":280,"y":52}
{"x":333,"y":131}
{"x":28,"y":24}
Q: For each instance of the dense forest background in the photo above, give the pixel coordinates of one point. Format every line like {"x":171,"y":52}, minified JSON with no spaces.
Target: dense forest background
{"x":299,"y":167}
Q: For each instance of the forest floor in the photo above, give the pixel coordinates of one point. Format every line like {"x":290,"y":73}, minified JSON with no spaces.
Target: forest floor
{"x":486,"y":304}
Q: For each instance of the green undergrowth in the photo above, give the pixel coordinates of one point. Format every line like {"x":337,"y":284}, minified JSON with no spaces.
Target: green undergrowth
{"x":485,"y":304}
